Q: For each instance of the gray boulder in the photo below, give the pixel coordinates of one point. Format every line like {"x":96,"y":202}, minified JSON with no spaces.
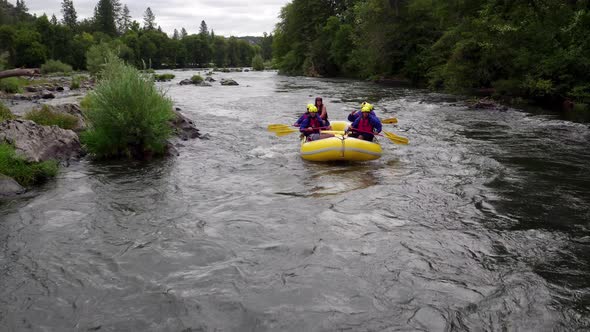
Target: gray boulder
{"x":184,"y":127}
{"x":9,"y":187}
{"x":46,"y":94}
{"x":71,"y":109}
{"x":209,"y":79}
{"x":185,"y":82}
{"x":228,"y":81}
{"x":38,"y":143}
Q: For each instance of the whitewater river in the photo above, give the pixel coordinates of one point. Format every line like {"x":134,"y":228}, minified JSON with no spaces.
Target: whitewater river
{"x":482,"y":223}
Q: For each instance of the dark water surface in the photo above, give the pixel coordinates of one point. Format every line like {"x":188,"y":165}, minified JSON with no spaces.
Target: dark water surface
{"x":482,"y":223}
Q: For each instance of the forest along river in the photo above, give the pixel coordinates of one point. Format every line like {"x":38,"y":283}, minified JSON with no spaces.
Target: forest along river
{"x":481,"y":223}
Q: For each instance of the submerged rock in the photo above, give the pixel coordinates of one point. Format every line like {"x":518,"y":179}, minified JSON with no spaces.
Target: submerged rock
{"x":185,"y":82}
{"x":228,"y":81}
{"x":184,"y":127}
{"x":38,"y":143}
{"x":209,"y":79}
{"x":9,"y":187}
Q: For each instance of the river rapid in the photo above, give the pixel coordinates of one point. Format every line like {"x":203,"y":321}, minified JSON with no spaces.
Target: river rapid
{"x":482,"y":223}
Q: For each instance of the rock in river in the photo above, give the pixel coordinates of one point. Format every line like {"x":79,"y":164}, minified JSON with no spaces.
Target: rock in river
{"x":38,"y":143}
{"x":9,"y":187}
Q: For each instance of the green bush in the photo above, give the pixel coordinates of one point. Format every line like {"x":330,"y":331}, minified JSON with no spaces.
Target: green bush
{"x":5,"y":113}
{"x":127,"y":115}
{"x":149,"y":71}
{"x":97,"y":56}
{"x":76,"y":81}
{"x":163,"y":77}
{"x":257,"y":62}
{"x":196,"y":79}
{"x":11,"y":85}
{"x":46,"y":117}
{"x":23,"y":172}
{"x":55,"y":66}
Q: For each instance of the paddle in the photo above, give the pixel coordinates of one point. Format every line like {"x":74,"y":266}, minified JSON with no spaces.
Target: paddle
{"x":392,"y":137}
{"x":389,"y":121}
{"x":283,"y":129}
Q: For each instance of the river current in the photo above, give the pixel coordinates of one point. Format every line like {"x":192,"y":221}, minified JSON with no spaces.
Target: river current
{"x":482,"y":223}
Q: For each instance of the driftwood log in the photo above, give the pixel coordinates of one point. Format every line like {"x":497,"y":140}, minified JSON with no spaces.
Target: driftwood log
{"x":20,"y":72}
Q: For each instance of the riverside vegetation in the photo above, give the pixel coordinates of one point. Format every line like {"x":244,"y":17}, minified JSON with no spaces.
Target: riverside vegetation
{"x":533,"y":49}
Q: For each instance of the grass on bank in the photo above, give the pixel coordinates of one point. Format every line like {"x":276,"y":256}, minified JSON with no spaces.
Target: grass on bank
{"x":55,"y":66}
{"x":5,"y":113}
{"x":23,"y":172}
{"x":12,"y":84}
{"x":197,"y":79}
{"x":164,"y":77}
{"x":46,"y":117}
{"x":127,"y":115}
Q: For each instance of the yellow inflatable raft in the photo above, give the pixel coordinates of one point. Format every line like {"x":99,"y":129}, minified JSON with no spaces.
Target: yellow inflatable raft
{"x":339,"y":147}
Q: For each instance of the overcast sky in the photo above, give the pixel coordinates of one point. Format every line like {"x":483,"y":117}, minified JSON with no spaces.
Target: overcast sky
{"x":225,"y":17}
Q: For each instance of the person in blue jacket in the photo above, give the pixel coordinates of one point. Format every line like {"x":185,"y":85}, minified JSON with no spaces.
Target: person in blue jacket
{"x":356,"y":114}
{"x":366,"y":124}
{"x":312,"y":124}
{"x":304,"y":116}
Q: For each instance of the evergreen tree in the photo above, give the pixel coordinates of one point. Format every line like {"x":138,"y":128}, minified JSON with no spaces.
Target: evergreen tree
{"x":124,"y":22}
{"x":53,"y":20}
{"x":69,"y":14}
{"x":183,"y":33}
{"x":203,"y":31}
{"x":104,"y":17}
{"x":149,"y":20}
{"x":21,"y":10}
{"x":176,"y":35}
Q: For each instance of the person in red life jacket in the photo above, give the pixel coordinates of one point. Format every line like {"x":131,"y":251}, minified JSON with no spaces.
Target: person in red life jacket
{"x":356,"y":114}
{"x":312,"y":124}
{"x":365,"y":125}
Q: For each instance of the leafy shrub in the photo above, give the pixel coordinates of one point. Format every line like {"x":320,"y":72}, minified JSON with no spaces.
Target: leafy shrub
{"x":257,"y":62}
{"x":163,"y":77}
{"x":581,"y":93}
{"x":5,"y":113}
{"x":196,"y":79}
{"x":76,"y":81}
{"x":149,"y":71}
{"x":97,"y":56}
{"x":127,"y":115}
{"x":11,"y":85}
{"x":46,"y":117}
{"x":23,"y":172}
{"x":538,"y":87}
{"x":55,"y":66}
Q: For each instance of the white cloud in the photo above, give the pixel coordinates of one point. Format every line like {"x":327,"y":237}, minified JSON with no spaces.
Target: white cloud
{"x":225,"y":17}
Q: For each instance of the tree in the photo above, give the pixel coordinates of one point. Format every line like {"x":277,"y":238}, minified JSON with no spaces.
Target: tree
{"x":176,"y":35}
{"x":183,"y":33}
{"x":266,"y":46}
{"x":70,"y":17}
{"x":124,"y":21}
{"x":104,"y":17}
{"x":53,"y":20}
{"x":203,"y":31}
{"x":21,"y":10}
{"x":149,"y":20}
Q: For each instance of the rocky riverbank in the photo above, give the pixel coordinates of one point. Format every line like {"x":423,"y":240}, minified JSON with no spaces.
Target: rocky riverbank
{"x":37,"y":143}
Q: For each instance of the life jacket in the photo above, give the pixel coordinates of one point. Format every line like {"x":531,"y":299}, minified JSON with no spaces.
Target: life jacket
{"x":365,"y":125}
{"x":314,"y":122}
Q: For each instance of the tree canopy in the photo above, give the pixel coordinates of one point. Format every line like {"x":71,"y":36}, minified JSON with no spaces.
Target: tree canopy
{"x":533,"y":48}
{"x":26,"y":40}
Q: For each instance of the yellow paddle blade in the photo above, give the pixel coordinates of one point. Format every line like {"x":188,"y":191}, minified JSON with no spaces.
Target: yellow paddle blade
{"x":389,"y":121}
{"x":277,"y":127}
{"x":285,"y":132}
{"x":395,"y":138}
